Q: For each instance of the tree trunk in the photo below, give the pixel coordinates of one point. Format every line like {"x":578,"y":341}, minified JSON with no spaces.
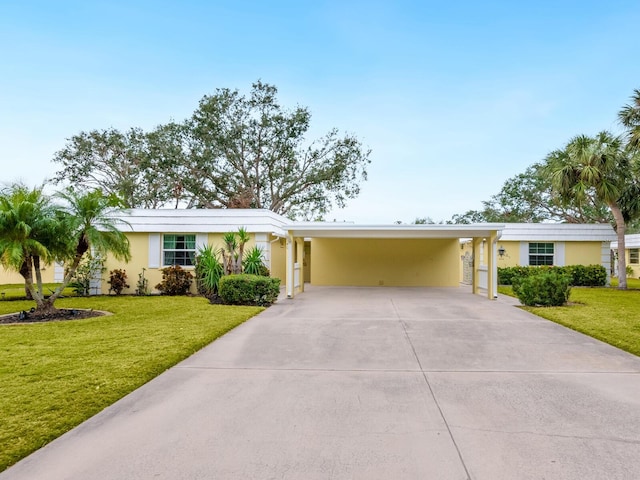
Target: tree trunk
{"x":82,"y":248}
{"x":36,"y":267}
{"x":26,"y":271}
{"x":621,"y":228}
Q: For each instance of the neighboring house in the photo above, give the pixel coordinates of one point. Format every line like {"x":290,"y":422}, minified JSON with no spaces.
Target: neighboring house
{"x":632,"y":253}
{"x":50,"y":274}
{"x":549,"y":244}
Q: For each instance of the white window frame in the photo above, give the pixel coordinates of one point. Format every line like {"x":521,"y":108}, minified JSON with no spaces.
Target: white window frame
{"x":538,"y":254}
{"x":163,"y":250}
{"x":637,"y":256}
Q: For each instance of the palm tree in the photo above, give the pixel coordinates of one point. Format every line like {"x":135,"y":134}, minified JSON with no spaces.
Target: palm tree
{"x":598,"y":166}
{"x":91,"y":221}
{"x":629,"y":117}
{"x":29,"y":232}
{"x":243,"y":238}
{"x":229,"y":252}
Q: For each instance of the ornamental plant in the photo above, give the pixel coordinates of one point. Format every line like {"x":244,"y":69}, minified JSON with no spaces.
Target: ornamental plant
{"x":175,"y":281}
{"x":117,"y":281}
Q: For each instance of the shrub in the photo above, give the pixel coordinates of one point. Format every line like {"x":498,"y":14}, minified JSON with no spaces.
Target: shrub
{"x":587,"y":275}
{"x":175,"y":281}
{"x":579,"y":275}
{"x":208,"y":271}
{"x":91,"y":267}
{"x":244,"y":289}
{"x":549,"y":289}
{"x":142,"y":286}
{"x":117,"y":280}
{"x":507,"y":274}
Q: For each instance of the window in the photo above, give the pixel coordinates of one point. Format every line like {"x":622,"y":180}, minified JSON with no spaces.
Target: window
{"x":634,"y":255}
{"x":179,"y":250}
{"x":541,"y":254}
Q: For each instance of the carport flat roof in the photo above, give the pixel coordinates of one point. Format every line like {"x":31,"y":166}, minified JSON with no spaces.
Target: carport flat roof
{"x":350,"y":230}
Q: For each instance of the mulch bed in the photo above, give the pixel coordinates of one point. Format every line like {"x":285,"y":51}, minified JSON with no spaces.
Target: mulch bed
{"x":58,"y":315}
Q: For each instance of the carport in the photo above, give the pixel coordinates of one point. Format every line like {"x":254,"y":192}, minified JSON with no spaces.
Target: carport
{"x":346,"y":254}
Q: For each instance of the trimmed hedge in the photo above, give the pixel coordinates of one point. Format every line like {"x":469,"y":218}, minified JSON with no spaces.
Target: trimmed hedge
{"x":579,"y":275}
{"x":244,"y":289}
{"x":549,"y":289}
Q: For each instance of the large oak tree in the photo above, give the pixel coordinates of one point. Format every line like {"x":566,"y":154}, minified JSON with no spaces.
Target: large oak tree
{"x":235,"y":151}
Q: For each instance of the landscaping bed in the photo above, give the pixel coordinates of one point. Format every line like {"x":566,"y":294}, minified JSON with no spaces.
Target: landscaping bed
{"x":31,"y":316}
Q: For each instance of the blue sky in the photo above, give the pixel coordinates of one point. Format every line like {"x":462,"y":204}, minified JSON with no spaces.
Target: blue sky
{"x":453,"y":98}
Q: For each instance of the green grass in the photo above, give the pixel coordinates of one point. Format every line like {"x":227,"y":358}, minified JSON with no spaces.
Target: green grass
{"x":56,"y":375}
{"x":632,"y":283}
{"x":608,"y":314}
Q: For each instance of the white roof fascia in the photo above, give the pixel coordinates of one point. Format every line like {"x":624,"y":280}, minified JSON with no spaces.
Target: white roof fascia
{"x":558,"y":232}
{"x":203,"y":221}
{"x":630,"y":241}
{"x":347,"y":230}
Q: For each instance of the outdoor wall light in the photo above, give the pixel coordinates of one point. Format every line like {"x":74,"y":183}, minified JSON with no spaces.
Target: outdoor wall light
{"x":501,"y":251}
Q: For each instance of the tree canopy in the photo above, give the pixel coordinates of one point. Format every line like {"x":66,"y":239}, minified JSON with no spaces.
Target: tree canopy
{"x":529,"y":197}
{"x":235,"y":151}
{"x":598,"y":167}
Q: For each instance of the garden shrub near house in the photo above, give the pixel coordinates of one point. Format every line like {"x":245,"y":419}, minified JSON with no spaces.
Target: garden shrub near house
{"x":587,"y":275}
{"x":507,"y":274}
{"x":253,"y":262}
{"x":208,"y":270}
{"x":548,"y":289}
{"x":175,"y":281}
{"x":244,"y":289}
{"x":117,"y":281}
{"x":579,"y":275}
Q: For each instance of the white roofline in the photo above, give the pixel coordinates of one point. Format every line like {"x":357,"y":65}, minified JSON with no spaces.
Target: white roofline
{"x":265,"y":221}
{"x":346,"y":230}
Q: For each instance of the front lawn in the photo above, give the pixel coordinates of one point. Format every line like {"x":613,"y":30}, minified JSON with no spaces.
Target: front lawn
{"x":608,"y":314}
{"x":56,"y":375}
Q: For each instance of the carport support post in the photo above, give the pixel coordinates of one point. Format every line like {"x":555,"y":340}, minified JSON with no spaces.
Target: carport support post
{"x":492,"y":264}
{"x":475,"y":278}
{"x":290,"y":266}
{"x":300,"y":261}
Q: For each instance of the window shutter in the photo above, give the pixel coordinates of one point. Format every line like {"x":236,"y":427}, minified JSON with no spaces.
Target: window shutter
{"x":559,"y":254}
{"x":202,"y":239}
{"x":154,"y":250}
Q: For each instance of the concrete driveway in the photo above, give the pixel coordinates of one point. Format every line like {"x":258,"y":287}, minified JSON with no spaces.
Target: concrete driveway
{"x":372,"y":383}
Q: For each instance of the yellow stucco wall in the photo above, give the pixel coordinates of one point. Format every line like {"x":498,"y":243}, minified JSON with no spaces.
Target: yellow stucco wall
{"x":139,"y":243}
{"x":387,"y":262}
{"x":511,"y":256}
{"x":582,"y":253}
{"x":278,"y":259}
{"x":634,"y":266}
